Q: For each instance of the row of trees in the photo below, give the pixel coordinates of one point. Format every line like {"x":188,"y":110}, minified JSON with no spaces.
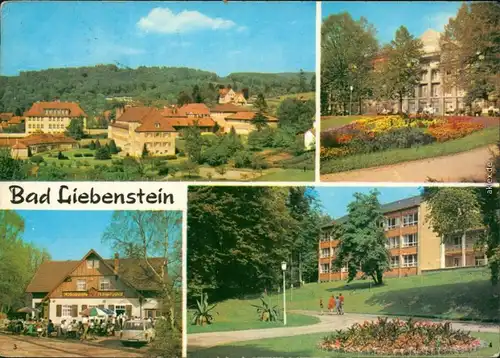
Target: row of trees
{"x":451,"y":211}
{"x":19,"y":261}
{"x":355,"y":67}
{"x":238,"y":237}
{"x":90,"y":86}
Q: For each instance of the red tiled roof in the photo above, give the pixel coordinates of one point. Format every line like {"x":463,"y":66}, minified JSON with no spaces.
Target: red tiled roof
{"x":6,"y":116}
{"x":155,"y":122}
{"x":186,"y":122}
{"x":119,"y":125}
{"x":46,"y":138}
{"x":15,"y":120}
{"x":248,"y":116}
{"x":38,"y":109}
{"x":230,"y":108}
{"x":10,"y":141}
{"x":135,"y":114}
{"x":194,"y":108}
{"x":51,"y":273}
{"x":19,"y":145}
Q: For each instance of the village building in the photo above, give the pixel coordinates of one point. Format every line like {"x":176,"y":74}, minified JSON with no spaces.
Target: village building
{"x":63,"y":289}
{"x":143,"y":126}
{"x":310,"y":139}
{"x":413,"y":246}
{"x":22,"y":146}
{"x":239,"y":117}
{"x":6,"y":116}
{"x":52,"y":117}
{"x":228,"y":95}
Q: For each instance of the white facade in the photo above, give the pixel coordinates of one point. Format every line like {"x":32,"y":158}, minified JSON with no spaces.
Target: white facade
{"x":309,"y":139}
{"x":138,"y":309}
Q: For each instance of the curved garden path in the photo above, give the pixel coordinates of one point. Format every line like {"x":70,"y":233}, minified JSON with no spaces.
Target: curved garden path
{"x":469,"y":166}
{"x":328,"y":323}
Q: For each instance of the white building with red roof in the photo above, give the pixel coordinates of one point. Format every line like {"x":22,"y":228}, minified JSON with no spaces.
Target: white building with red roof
{"x":52,"y":117}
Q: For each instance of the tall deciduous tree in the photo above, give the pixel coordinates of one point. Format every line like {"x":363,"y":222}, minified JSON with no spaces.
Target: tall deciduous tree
{"x":144,"y":235}
{"x":402,"y":70}
{"x":470,"y":49}
{"x":183,"y":99}
{"x":197,"y":98}
{"x":259,"y":121}
{"x":362,"y":243}
{"x":75,"y":128}
{"x":295,"y":115}
{"x":260,"y":103}
{"x":10,"y":168}
{"x":347,"y":49}
{"x":302,"y":81}
{"x":194,"y":143}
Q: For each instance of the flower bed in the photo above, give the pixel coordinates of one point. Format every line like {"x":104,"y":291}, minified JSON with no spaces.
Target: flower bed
{"x":397,"y":337}
{"x":374,"y":134}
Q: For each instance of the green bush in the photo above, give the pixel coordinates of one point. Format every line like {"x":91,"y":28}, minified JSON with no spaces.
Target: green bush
{"x":37,"y":159}
{"x":243,"y":159}
{"x":163,"y":171}
{"x":102,"y":154}
{"x":78,"y":155}
{"x":88,"y":155}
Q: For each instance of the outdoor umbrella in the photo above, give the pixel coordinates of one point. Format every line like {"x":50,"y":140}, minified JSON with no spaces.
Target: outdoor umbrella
{"x":93,"y":312}
{"x":28,"y":310}
{"x":109,"y":312}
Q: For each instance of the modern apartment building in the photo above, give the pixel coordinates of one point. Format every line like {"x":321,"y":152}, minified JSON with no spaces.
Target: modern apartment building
{"x":412,"y":244}
{"x":52,"y":117}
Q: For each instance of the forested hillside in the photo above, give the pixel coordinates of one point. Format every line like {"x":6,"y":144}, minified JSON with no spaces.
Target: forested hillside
{"x":151,"y":85}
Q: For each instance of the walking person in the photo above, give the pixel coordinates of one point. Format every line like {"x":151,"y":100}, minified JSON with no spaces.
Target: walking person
{"x":331,"y":304}
{"x":321,"y":305}
{"x":341,"y":298}
{"x":337,"y":304}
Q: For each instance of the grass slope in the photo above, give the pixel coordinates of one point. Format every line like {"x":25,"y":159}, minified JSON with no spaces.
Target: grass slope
{"x":330,"y":122}
{"x":395,"y":156}
{"x":464,"y":294}
{"x":306,"y":346}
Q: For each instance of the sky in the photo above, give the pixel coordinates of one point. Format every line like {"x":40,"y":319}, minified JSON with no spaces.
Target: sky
{"x":335,"y":199}
{"x":67,"y":235}
{"x":388,"y":16}
{"x":214,"y":36}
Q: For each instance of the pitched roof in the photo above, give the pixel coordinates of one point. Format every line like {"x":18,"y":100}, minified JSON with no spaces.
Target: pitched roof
{"x":186,"y":122}
{"x":248,"y":116}
{"x":15,"y":120}
{"x":19,"y":145}
{"x":6,"y":116}
{"x":230,"y":108}
{"x":135,"y":114}
{"x":9,"y":141}
{"x":154,"y":121}
{"x":194,"y":108}
{"x":38,"y":109}
{"x":134,"y":271}
{"x":387,"y":208}
{"x":46,"y":138}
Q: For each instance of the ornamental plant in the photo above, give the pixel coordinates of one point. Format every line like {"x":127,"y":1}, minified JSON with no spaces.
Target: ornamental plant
{"x":398,"y":337}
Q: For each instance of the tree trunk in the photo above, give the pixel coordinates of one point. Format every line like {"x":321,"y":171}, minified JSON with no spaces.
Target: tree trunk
{"x":360,"y":111}
{"x":380,"y":278}
{"x":400,"y":103}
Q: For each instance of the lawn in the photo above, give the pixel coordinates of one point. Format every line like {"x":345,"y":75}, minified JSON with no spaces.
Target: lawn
{"x":306,"y":346}
{"x":330,"y":122}
{"x":243,"y":318}
{"x":464,"y":294}
{"x":70,"y":154}
{"x":360,"y":161}
{"x":295,"y":175}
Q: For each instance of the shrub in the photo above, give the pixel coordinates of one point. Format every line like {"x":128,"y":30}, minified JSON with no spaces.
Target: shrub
{"x":266,"y":312}
{"x":78,"y":155}
{"x":88,"y":155}
{"x":37,"y":159}
{"x":61,"y":156}
{"x":163,"y":171}
{"x":243,"y":159}
{"x":102,"y":154}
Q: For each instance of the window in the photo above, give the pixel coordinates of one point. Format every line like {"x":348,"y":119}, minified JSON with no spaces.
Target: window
{"x":66,"y":311}
{"x":456,"y":262}
{"x":92,"y":264}
{"x":325,"y":252}
{"x":435,"y":75}
{"x":423,"y":91}
{"x":120,"y":309}
{"x":81,"y":285}
{"x":393,"y":242}
{"x":410,"y":219}
{"x":394,"y":261}
{"x":436,"y":90}
{"x":325,"y":236}
{"x":409,"y":260}
{"x":391,"y":223}
{"x":410,"y":240}
{"x":325,"y":268}
{"x":104,"y":284}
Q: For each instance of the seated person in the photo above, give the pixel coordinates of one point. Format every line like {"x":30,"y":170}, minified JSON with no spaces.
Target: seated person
{"x":50,"y":328}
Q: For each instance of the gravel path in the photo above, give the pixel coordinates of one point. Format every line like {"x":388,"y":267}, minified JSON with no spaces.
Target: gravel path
{"x":469,"y":166}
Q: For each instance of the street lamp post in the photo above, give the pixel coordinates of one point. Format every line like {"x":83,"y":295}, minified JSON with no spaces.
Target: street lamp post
{"x":283,"y":268}
{"x":350,"y":100}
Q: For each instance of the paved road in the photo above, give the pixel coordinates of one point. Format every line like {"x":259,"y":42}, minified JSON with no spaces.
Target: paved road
{"x":469,"y":166}
{"x":22,"y":346}
{"x":328,"y":323}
